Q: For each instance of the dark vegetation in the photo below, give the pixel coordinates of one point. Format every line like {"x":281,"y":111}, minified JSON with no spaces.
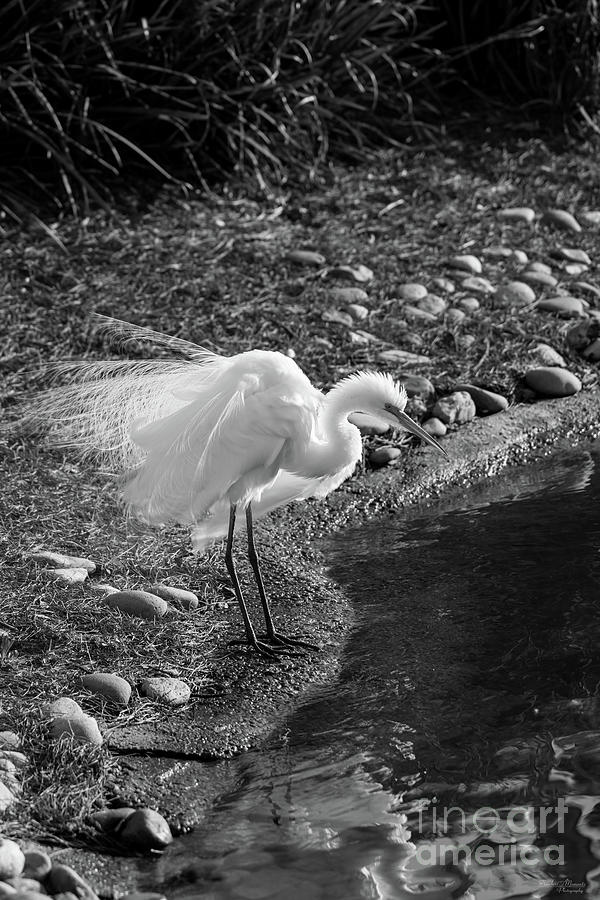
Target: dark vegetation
{"x":95,"y":91}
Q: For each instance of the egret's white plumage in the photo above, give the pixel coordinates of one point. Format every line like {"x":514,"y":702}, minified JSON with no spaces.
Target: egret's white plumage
{"x":205,"y":435}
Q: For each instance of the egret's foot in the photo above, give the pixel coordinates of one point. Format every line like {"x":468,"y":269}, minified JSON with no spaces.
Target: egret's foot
{"x":263,"y":649}
{"x":285,"y":641}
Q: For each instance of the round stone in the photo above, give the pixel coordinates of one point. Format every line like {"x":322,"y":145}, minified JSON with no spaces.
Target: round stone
{"x":7,"y":797}
{"x":517,"y":214}
{"x":563,"y":305}
{"x":467,"y":263}
{"x":108,"y":685}
{"x":112,"y":819}
{"x":37,"y":864}
{"x":69,"y":576}
{"x":444,"y":284}
{"x":63,"y":561}
{"x":63,"y":706}
{"x":12,"y":859}
{"x":411,"y":292}
{"x":418,"y":386}
{"x":178,"y":596}
{"x":552,"y":381}
{"x":515,"y":293}
{"x":582,"y":334}
{"x":591,"y":217}
{"x":103,"y":589}
{"x":358,"y":312}
{"x":306,"y":258}
{"x":346,"y":295}
{"x":402,"y":356}
{"x":539,"y":267}
{"x":575,"y":254}
{"x":137,"y":603}
{"x":455,"y":316}
{"x":435,"y":427}
{"x":383,"y":456}
{"x":547,"y":356}
{"x":433,"y":304}
{"x":83,"y":729}
{"x":173,"y":691}
{"x":575,"y":269}
{"x":455,"y":409}
{"x":146,"y":830}
{"x":337,"y":316}
{"x":478,"y":285}
{"x":65,"y":880}
{"x":361,"y":274}
{"x":520,"y":257}
{"x":592,"y":353}
{"x":499,"y":252}
{"x":532,"y":276}
{"x":414,"y":312}
{"x":469,"y":304}
{"x":485,"y":401}
{"x":560,"y":218}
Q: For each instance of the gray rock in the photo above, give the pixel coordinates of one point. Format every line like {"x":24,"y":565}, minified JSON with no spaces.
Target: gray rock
{"x":531,"y":276}
{"x":361,"y":274}
{"x":560,"y":218}
{"x":552,"y":381}
{"x":19,"y":760}
{"x":592,"y":353}
{"x":37,"y":864}
{"x":368,"y":425}
{"x":540,"y":267}
{"x":418,"y":386}
{"x":84,"y":729}
{"x":7,"y":890}
{"x":108,"y":685}
{"x":9,"y":740}
{"x":575,"y":269}
{"x":435,"y":427}
{"x":433,"y":304}
{"x":63,"y":879}
{"x":25,"y":887}
{"x":591,"y":218}
{"x":173,"y":691}
{"x":63,"y":706}
{"x":138,"y":603}
{"x":143,"y":895}
{"x":485,"y":401}
{"x":455,"y":317}
{"x":111,"y":820}
{"x":517,"y":214}
{"x":306,"y":258}
{"x":466,"y":263}
{"x":68,"y":576}
{"x":478,"y":285}
{"x":547,"y":356}
{"x":103,"y":589}
{"x":499,"y":252}
{"x":465,"y":342}
{"x":146,"y":830}
{"x":358,"y":312}
{"x":469,"y":304}
{"x":383,"y":456}
{"x":515,"y":293}
{"x":178,"y":596}
{"x":444,"y":284}
{"x":402,"y":356}
{"x":574,"y":254}
{"x":63,"y":561}
{"x":563,"y":305}
{"x":12,"y":859}
{"x":520,"y":257}
{"x":30,"y":895}
{"x":346,"y":295}
{"x":337,"y":316}
{"x":411,"y":292}
{"x":361,"y":337}
{"x":455,"y":409}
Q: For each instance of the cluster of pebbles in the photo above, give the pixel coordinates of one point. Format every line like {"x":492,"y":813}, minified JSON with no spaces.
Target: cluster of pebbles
{"x":29,"y":873}
{"x":465,"y":293}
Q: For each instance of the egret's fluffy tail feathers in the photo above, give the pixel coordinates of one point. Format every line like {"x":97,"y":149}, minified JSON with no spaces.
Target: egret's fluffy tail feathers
{"x":96,"y":409}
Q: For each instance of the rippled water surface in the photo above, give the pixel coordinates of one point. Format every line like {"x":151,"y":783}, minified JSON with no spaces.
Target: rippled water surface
{"x":459,"y":752}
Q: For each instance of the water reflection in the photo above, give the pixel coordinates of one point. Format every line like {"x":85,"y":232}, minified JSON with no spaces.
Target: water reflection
{"x":457,"y":754}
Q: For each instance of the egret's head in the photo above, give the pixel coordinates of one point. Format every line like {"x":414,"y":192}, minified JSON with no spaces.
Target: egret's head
{"x":378,"y":395}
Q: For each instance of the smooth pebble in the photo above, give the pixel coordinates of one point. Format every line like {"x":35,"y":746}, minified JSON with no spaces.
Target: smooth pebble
{"x":592,"y":352}
{"x":455,"y":316}
{"x":108,"y":685}
{"x":37,"y":864}
{"x":411,"y":292}
{"x":520,"y":257}
{"x":179,"y":596}
{"x":63,"y":879}
{"x":69,"y":576}
{"x":63,"y":560}
{"x":7,"y":798}
{"x":478,"y":285}
{"x":84,"y":729}
{"x":62,"y":706}
{"x":561,"y":219}
{"x":418,"y":386}
{"x":469,"y":304}
{"x":575,"y":254}
{"x":361,"y":274}
{"x":112,"y":819}
{"x":146,"y":830}
{"x":433,"y":304}
{"x":347,"y":295}
{"x":306,"y":258}
{"x":382,"y":456}
{"x":485,"y":401}
{"x":548,"y":356}
{"x":137,"y":603}
{"x":499,"y":252}
{"x":415,"y":312}
{"x":337,"y":316}
{"x":514,"y":293}
{"x":539,"y":267}
{"x":358,"y":312}
{"x":552,"y":381}
{"x":444,"y":284}
{"x":467,"y":263}
{"x":533,"y":276}
{"x":435,"y":427}
{"x":402,"y":356}
{"x":592,"y":217}
{"x":564,"y":305}
{"x":517,"y":214}
{"x":575,"y":269}
{"x":12,"y":859}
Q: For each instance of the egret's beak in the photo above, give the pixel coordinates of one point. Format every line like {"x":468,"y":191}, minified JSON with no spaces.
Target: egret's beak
{"x":407,"y":423}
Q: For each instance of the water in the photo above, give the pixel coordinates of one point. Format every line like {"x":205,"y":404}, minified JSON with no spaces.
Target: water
{"x":442,"y":762}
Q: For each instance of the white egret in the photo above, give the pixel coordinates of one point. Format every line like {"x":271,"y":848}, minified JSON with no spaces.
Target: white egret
{"x":206,"y":436}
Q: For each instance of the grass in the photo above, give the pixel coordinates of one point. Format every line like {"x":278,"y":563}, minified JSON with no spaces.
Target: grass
{"x":215,"y":271}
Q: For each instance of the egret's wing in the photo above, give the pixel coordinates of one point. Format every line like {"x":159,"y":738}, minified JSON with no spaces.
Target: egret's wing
{"x":124,"y":334}
{"x":97,"y":406}
{"x":229,"y":441}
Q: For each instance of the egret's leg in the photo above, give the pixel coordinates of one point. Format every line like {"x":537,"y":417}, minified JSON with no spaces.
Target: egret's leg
{"x":251,"y":638}
{"x":272,"y":634}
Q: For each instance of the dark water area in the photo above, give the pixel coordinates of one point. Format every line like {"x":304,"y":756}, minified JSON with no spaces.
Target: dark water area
{"x":458,"y":754}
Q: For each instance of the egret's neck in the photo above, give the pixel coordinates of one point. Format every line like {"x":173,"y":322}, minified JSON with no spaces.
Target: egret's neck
{"x":337,"y":443}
